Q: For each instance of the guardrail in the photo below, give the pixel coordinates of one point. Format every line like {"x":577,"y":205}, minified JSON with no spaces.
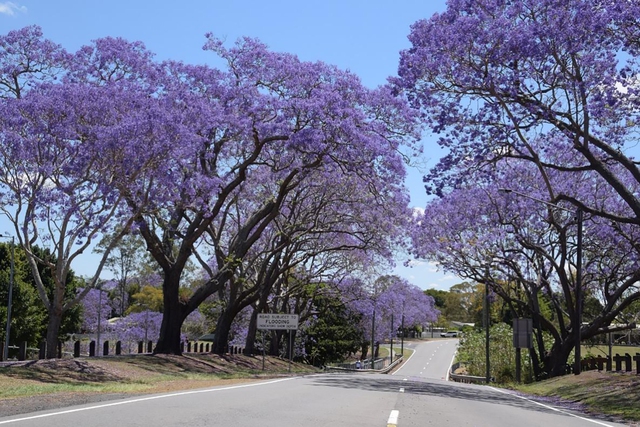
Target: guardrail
{"x":380,"y":366}
{"x":467,"y":379}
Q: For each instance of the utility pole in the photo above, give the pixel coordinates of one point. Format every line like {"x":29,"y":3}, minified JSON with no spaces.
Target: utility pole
{"x":402,"y":335}
{"x":486,"y":329}
{"x":373,"y":329}
{"x":577,"y":367}
{"x":5,"y":350}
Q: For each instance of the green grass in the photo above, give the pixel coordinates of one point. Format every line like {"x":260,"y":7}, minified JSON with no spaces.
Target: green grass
{"x":20,"y":388}
{"x":603,"y":350}
{"x":385,"y":350}
{"x":407,"y":352}
{"x":600,"y":392}
{"x":139,"y":374}
{"x":40,"y":389}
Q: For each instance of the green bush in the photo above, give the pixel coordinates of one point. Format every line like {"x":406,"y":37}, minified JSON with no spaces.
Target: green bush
{"x":502,"y":354}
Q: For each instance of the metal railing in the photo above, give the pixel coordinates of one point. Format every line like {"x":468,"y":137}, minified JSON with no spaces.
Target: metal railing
{"x":383,"y":365}
{"x":461,"y":378}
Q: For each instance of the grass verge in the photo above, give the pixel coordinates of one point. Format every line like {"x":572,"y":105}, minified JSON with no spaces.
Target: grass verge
{"x":610,"y":393}
{"x":136,"y":374}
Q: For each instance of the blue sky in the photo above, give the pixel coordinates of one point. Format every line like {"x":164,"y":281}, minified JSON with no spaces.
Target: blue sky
{"x":364,"y":37}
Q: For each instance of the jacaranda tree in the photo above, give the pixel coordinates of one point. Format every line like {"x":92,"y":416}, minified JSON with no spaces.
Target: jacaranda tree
{"x":198,"y":161}
{"x":525,"y":250}
{"x":252,"y":133}
{"x":64,"y":142}
{"x":527,"y":79}
{"x":329,"y":223}
{"x":549,"y":82}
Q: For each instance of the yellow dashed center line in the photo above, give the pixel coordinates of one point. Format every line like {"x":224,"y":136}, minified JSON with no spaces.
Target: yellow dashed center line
{"x":393,"y":418}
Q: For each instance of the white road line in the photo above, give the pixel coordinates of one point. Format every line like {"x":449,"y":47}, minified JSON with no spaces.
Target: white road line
{"x":143,"y":399}
{"x":552,"y":408}
{"x":450,"y":365}
{"x":393,"y":418}
{"x":402,"y":390}
{"x":403,"y":363}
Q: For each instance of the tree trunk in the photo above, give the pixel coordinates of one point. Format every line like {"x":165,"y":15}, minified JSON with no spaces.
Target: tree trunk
{"x":53,"y":330}
{"x":250,"y":342}
{"x":273,"y":343}
{"x":276,"y":342}
{"x":223,"y":328}
{"x":170,"y":333}
{"x":364,"y":351}
{"x":556,"y":360}
{"x":535,"y":363}
{"x":172,"y":317}
{"x":122,"y":285}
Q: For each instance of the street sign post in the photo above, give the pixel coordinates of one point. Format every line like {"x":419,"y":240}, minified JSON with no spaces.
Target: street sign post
{"x":522,"y":333}
{"x":522,"y":338}
{"x":278,"y":322}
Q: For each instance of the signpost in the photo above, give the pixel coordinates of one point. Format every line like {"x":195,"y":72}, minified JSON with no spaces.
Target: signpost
{"x":278,"y":322}
{"x":522,"y":338}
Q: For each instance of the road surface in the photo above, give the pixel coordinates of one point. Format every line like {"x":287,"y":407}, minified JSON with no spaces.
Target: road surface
{"x":431,"y":359}
{"x":416,"y":395}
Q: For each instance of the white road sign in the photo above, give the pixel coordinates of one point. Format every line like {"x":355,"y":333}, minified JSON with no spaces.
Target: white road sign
{"x":277,"y":321}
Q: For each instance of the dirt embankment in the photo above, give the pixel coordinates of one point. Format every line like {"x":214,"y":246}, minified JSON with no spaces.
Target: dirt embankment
{"x":49,"y":384}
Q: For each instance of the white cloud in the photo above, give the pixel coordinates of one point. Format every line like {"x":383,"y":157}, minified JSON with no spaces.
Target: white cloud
{"x":436,"y":285}
{"x":434,"y":267}
{"x":621,"y":88}
{"x":417,"y":211}
{"x":10,"y":8}
{"x":448,"y":278}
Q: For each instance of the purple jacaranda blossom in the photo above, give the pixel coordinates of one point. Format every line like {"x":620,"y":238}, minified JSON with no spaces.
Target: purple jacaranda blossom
{"x":62,"y":152}
{"x":523,"y":244}
{"x":252,"y":135}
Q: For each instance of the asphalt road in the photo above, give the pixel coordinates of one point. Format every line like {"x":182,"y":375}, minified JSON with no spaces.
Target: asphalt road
{"x":416,"y":395}
{"x":427,"y":398}
{"x":430,"y":360}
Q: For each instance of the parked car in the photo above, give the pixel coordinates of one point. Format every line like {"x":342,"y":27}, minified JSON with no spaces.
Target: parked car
{"x":449,"y":334}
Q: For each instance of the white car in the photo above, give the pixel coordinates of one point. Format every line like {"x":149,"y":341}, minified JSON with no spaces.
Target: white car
{"x":449,"y":334}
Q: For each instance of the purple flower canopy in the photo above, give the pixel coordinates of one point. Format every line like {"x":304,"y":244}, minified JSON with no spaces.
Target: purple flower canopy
{"x":200,"y":162}
{"x":539,"y":97}
{"x":390,"y":295}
